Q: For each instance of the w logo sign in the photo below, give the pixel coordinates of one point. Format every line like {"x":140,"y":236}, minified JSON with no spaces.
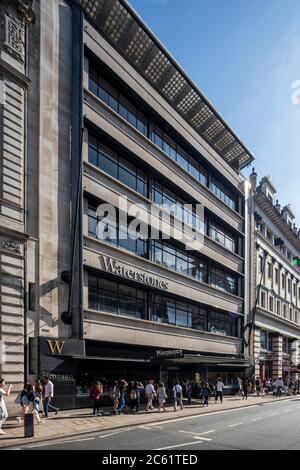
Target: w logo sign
{"x":55,"y":346}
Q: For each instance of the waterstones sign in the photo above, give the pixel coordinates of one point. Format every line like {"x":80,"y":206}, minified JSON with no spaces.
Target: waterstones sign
{"x":113,"y":266}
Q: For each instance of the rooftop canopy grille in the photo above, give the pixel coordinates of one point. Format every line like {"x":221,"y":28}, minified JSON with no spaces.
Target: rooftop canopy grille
{"x":121,"y":25}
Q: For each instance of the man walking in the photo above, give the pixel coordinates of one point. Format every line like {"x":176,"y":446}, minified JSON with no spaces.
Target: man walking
{"x":219,"y":390}
{"x":279,"y":386}
{"x":49,"y":394}
{"x":150,"y":392}
{"x":177,"y":392}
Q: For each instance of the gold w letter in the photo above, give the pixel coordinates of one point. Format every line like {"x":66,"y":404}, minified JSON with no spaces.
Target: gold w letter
{"x":55,"y":345}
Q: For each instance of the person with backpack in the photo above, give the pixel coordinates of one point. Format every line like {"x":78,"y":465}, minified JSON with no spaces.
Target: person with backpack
{"x":95,"y":395}
{"x":177,"y":393}
{"x":4,"y":391}
{"x":135,"y":396}
{"x":219,"y":390}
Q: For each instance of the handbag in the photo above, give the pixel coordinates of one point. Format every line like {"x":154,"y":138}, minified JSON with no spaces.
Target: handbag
{"x":18,"y":399}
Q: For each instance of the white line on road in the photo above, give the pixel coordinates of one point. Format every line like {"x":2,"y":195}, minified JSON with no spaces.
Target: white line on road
{"x":112,"y":433}
{"x":234,"y":425}
{"x":197,"y":433}
{"x":205,"y":415}
{"x":202,"y":438}
{"x":274,"y":414}
{"x":257,"y":419}
{"x":60,"y":442}
{"x":180,"y":445}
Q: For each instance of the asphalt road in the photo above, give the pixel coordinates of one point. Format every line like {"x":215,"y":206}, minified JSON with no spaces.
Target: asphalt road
{"x":263,"y":426}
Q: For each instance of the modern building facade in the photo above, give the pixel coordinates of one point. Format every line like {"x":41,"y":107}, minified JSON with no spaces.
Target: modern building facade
{"x":274,"y":283}
{"x":111,"y":114}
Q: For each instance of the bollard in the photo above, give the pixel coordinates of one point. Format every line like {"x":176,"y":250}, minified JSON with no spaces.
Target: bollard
{"x":28,"y":425}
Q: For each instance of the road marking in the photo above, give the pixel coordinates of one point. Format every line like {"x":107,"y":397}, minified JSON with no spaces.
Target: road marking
{"x":233,"y":425}
{"x":202,"y":438}
{"x":274,"y":414}
{"x":197,"y":433}
{"x":257,"y":419}
{"x":60,"y":442}
{"x":180,"y":445}
{"x":288,"y":409}
{"x":205,"y":415}
{"x":112,"y":433}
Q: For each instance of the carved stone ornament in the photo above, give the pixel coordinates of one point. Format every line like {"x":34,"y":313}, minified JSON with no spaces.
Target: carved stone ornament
{"x":13,"y":36}
{"x":10,"y":245}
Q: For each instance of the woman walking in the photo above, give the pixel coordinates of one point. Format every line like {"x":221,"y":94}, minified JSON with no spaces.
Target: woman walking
{"x":3,"y":411}
{"x":116,"y":396}
{"x":34,"y":402}
{"x":121,"y":405}
{"x":161,"y":396}
{"x":38,"y":388}
{"x":95,"y":395}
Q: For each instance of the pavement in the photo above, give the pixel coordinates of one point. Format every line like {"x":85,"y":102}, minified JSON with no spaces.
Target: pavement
{"x":71,"y":423}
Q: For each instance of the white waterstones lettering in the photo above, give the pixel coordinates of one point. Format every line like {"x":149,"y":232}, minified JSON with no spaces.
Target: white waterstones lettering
{"x":111,"y":265}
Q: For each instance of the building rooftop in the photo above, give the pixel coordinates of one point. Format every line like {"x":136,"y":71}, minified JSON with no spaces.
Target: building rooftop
{"x":119,"y":23}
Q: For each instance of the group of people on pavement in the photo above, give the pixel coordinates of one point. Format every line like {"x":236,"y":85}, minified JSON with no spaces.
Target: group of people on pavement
{"x":276,"y":387}
{"x":127,"y":396}
{"x":34,"y":399}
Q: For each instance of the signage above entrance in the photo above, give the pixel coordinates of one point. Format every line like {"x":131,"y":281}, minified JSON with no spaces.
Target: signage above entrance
{"x":169,"y":353}
{"x":113,"y":266}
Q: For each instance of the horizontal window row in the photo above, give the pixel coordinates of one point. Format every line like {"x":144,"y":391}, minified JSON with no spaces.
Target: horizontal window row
{"x":282,"y":279}
{"x":121,"y":299}
{"x":270,"y":303}
{"x":120,"y":168}
{"x":123,"y":106}
{"x":162,"y":253}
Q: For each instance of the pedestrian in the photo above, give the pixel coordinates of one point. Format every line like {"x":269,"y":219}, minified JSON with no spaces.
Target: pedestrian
{"x":135,"y":396}
{"x":206,"y":392}
{"x":238,"y":387}
{"x":4,"y":391}
{"x":33,"y":401}
{"x":219,"y":390}
{"x":268,"y":386}
{"x":39,"y":394}
{"x":258,"y":386}
{"x":48,"y":397}
{"x":23,"y":401}
{"x":122,"y":385}
{"x":189,"y":389}
{"x":116,"y":396}
{"x":161,"y":396}
{"x":279,"y":386}
{"x":245,"y":386}
{"x":95,"y":395}
{"x":177,"y":393}
{"x":151,"y":394}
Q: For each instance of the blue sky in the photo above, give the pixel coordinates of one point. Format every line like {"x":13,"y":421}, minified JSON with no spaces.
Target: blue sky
{"x":244,"y":55}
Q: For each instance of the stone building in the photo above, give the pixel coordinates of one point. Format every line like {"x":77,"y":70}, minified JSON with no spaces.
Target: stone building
{"x":274,"y":283}
{"x":15,"y":17}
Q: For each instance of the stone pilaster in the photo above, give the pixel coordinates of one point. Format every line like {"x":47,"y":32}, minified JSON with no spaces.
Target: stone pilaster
{"x":277,"y":356}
